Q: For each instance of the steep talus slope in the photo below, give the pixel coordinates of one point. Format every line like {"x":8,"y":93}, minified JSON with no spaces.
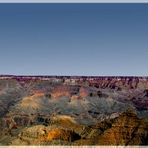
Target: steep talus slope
{"x":10,"y":93}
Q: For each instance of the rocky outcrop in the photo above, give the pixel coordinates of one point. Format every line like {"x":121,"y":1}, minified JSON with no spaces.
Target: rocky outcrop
{"x":44,"y":134}
{"x":126,"y":129}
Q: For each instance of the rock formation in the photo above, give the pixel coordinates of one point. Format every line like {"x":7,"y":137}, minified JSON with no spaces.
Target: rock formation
{"x":79,"y":108}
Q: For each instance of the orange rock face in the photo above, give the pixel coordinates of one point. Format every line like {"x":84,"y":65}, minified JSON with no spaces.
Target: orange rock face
{"x":83,"y":92}
{"x":62,"y":134}
{"x":60,"y":91}
{"x":58,"y":134}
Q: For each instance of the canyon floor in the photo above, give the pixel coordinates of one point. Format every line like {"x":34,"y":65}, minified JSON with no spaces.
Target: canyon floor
{"x":64,"y":110}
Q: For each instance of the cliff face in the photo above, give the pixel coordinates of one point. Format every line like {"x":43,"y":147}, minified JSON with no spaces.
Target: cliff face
{"x":126,"y":129}
{"x":89,"y":101}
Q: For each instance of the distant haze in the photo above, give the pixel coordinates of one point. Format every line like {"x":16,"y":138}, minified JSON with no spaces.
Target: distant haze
{"x":74,"y":39}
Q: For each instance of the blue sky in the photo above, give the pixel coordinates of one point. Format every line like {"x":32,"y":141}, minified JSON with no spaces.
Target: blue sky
{"x":74,"y":39}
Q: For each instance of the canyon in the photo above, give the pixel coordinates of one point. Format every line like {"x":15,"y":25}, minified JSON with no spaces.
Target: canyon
{"x":73,"y":110}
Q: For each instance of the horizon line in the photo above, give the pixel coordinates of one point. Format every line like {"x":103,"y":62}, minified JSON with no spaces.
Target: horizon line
{"x":18,"y":75}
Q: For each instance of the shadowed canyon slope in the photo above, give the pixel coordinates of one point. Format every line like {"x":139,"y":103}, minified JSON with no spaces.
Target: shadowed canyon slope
{"x":64,"y":110}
